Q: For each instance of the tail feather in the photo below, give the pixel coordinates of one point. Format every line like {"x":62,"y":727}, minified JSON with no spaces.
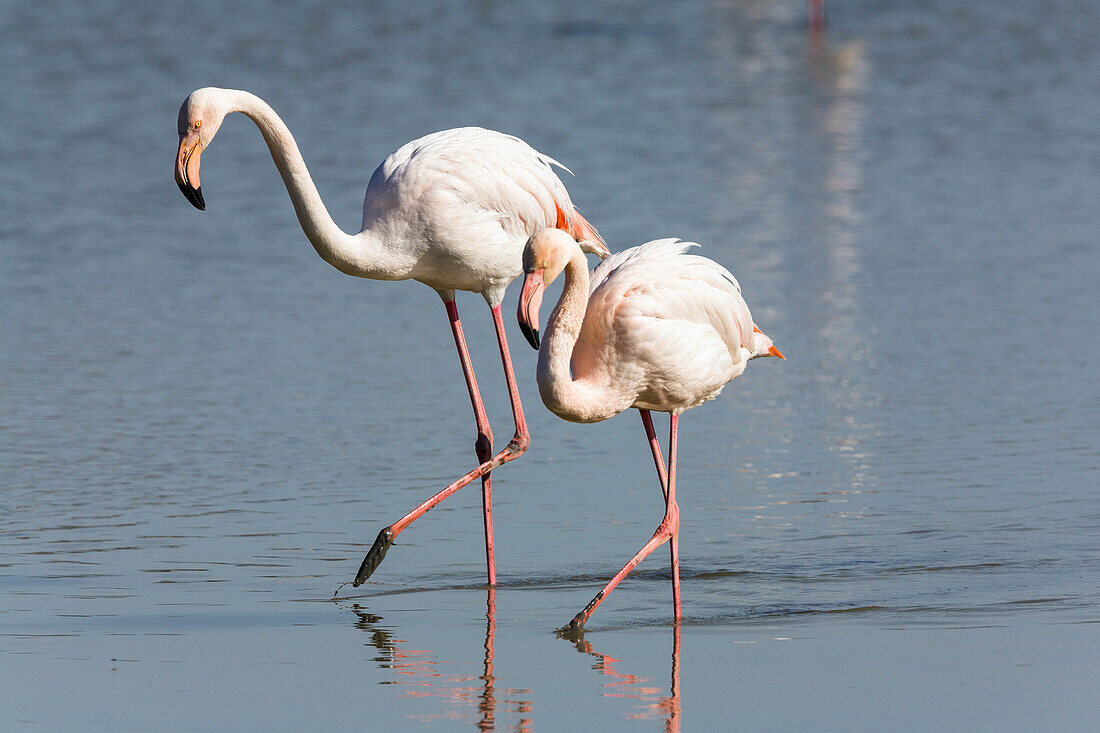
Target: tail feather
{"x":582,"y":230}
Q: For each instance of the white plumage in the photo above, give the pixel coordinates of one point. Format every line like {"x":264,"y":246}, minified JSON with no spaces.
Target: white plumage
{"x":652,"y":327}
{"x":452,"y":210}
{"x":679,"y":318}
{"x":462,"y":203}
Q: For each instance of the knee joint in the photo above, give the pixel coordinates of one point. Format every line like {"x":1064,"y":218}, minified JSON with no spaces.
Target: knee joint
{"x":484,"y":446}
{"x":519,"y":444}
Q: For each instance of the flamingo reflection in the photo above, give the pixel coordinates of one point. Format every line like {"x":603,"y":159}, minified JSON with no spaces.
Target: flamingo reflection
{"x":623,"y":684}
{"x":468,"y":697}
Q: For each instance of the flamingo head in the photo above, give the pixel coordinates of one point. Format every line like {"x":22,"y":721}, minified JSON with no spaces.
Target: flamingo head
{"x":544,"y":257}
{"x":200,"y":116}
{"x":762,"y":345}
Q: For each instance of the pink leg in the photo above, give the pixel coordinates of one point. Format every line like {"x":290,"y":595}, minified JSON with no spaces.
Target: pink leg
{"x":515,"y":448}
{"x":666,"y":531}
{"x":655,"y":448}
{"x":675,"y":541}
{"x":483,"y":446}
{"x":674,"y":544}
{"x":521,"y":441}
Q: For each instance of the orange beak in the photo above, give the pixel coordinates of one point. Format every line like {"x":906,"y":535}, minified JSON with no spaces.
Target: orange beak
{"x":187,"y":169}
{"x":530,"y":299}
{"x":776,"y":352}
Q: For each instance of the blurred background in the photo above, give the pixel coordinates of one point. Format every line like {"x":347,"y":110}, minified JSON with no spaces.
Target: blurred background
{"x":203,"y":425}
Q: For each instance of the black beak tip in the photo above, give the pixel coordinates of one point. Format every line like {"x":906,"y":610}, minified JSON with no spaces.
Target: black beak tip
{"x":194,"y":195}
{"x":531,"y":334}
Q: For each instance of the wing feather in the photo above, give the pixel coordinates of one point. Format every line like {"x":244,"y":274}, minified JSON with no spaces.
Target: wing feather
{"x":487,"y":178}
{"x":682,"y":294}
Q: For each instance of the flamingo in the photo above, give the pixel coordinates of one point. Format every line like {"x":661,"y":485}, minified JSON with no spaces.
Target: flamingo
{"x":817,"y":16}
{"x":654,"y":328}
{"x":452,"y":210}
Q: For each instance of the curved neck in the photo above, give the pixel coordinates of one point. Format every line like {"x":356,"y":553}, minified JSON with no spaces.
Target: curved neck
{"x":580,"y":398}
{"x":361,"y":254}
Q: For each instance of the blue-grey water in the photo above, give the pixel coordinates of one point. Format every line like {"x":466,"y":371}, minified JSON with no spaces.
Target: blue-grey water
{"x":203,"y":425}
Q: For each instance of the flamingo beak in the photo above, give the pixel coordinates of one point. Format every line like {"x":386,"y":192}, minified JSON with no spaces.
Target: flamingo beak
{"x":530,"y":298}
{"x":187,"y":169}
{"x":776,"y":352}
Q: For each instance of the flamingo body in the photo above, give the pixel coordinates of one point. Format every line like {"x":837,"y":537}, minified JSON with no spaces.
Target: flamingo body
{"x":459,"y":205}
{"x":653,"y":328}
{"x":671,"y":327}
{"x":452,"y":210}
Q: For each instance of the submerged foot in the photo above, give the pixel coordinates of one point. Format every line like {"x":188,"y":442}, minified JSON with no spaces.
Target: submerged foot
{"x":577,"y":624}
{"x":374,"y":557}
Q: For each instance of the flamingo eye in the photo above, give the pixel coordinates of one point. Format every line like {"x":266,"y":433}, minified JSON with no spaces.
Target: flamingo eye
{"x":198,"y":124}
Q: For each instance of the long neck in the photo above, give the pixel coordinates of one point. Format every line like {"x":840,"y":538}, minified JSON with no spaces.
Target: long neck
{"x":588,"y":397}
{"x":362,"y":254}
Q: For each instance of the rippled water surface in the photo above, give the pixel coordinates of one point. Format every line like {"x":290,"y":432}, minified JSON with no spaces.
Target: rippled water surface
{"x":203,"y":425}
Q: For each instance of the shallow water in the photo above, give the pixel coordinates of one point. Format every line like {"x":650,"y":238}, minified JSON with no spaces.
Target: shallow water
{"x":203,"y":426}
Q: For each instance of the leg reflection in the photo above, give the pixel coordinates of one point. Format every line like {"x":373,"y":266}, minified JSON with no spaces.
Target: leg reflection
{"x":623,"y":684}
{"x":426,"y":676}
{"x":488,"y":705}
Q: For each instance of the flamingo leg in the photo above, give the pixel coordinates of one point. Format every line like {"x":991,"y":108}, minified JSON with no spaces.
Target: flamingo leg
{"x":674,"y":544}
{"x":521,"y":441}
{"x":515,"y":448}
{"x":673,"y":425}
{"x":655,"y":448}
{"x":483,"y":446}
{"x":666,"y":531}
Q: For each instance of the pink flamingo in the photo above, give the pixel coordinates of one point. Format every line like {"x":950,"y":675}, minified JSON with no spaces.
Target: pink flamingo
{"x":654,"y":329}
{"x":452,"y":210}
{"x":817,"y":15}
